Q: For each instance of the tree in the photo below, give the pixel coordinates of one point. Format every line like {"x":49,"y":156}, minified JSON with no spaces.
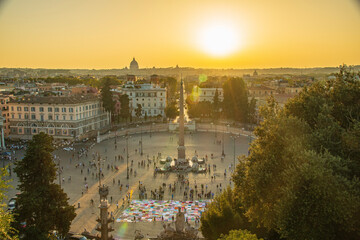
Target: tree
{"x":303,"y":170}
{"x":6,"y":218}
{"x":239,"y":235}
{"x":225,"y":213}
{"x":216,"y":105}
{"x":125,"y":108}
{"x":42,"y":204}
{"x":171,"y":111}
{"x":138,"y":111}
{"x":106,"y":96}
{"x":235,"y":103}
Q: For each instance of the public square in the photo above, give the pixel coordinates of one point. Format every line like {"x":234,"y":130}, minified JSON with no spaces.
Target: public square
{"x":79,"y":177}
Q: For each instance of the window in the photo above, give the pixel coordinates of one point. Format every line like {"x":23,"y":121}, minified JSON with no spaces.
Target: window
{"x":33,"y":109}
{"x":50,"y":117}
{"x":64,"y":132}
{"x":71,"y":110}
{"x":155,"y":111}
{"x":154,"y":104}
{"x":56,"y":109}
{"x":51,"y":131}
{"x":41,"y":109}
{"x":87,"y":108}
{"x":20,"y":130}
{"x":33,"y":117}
{"x":12,"y":108}
{"x":19,"y":108}
{"x":49,"y":109}
{"x":64,"y":117}
{"x":19,"y":116}
{"x":57,"y":117}
{"x":12,"y":116}
{"x":34,"y":130}
{"x":161,"y":104}
{"x":160,"y":94}
{"x":63,"y":110}
{"x":26,"y":116}
{"x":71,"y":117}
{"x":42,"y":118}
{"x":26,"y":109}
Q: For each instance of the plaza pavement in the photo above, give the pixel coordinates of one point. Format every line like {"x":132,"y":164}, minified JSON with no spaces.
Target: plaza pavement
{"x":164,"y":143}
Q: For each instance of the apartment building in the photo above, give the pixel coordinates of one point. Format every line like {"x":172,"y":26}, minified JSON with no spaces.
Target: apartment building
{"x":152,"y":98}
{"x":208,"y":94}
{"x":62,"y":117}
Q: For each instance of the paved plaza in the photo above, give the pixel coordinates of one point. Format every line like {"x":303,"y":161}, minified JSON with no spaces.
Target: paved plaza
{"x":79,"y":179}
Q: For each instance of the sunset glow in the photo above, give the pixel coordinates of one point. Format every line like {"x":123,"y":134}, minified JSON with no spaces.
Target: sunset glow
{"x":161,"y":33}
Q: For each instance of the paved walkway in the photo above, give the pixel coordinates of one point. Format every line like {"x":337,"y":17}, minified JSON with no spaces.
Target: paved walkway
{"x":204,"y":143}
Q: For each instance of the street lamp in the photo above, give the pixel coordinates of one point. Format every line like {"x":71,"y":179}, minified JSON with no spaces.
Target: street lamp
{"x":127,"y":155}
{"x":234,"y":138}
{"x":222,"y":145}
{"x":141,"y":143}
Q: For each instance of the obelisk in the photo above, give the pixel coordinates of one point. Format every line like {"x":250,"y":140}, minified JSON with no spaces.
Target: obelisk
{"x":181,"y":147}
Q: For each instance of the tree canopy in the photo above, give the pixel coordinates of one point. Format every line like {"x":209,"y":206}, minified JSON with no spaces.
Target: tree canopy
{"x":106,"y":95}
{"x":42,"y":204}
{"x":301,"y":179}
{"x":6,"y":218}
{"x":125,"y":108}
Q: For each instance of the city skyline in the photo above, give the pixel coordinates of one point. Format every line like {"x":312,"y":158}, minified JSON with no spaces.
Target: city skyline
{"x":202,"y":34}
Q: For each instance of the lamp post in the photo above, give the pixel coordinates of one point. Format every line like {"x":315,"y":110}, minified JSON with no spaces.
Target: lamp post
{"x":127,"y":155}
{"x":141,"y":143}
{"x":212,"y":124}
{"x":234,"y":138}
{"x":222,"y":145}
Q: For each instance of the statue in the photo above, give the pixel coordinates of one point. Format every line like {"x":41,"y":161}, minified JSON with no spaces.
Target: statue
{"x":180,"y":221}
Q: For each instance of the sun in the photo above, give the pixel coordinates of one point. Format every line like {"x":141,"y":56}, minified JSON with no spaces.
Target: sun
{"x":218,"y":39}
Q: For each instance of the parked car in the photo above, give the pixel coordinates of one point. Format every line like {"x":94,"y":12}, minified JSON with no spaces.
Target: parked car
{"x":11,"y":204}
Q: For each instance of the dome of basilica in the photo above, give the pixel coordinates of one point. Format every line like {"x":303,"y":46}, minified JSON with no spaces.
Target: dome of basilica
{"x":134,"y":65}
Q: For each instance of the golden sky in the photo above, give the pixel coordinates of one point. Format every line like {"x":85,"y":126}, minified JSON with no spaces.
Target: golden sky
{"x":194,"y":33}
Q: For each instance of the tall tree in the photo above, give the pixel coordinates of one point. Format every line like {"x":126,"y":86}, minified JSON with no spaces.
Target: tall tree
{"x":235,"y":103}
{"x":138,"y":111}
{"x":171,"y":111}
{"x":106,"y":96}
{"x":303,"y":170}
{"x":125,"y":108}
{"x":216,"y":105}
{"x":42,"y":204}
{"x":6,"y":218}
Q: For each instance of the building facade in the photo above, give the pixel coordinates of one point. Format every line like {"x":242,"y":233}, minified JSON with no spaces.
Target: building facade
{"x":73,"y":117}
{"x":152,"y":98}
{"x":4,"y":101}
{"x":208,"y":94}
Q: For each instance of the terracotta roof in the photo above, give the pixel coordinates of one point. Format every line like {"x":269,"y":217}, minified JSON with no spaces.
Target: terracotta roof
{"x":56,"y":99}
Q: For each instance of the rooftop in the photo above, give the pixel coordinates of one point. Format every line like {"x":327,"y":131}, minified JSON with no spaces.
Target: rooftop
{"x":56,"y":99}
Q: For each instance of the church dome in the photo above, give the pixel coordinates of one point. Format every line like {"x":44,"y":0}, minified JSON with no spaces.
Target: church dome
{"x":134,"y":65}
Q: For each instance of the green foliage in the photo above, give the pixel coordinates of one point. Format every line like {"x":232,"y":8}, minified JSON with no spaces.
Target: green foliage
{"x":6,"y":218}
{"x":201,"y":109}
{"x":138,"y":111}
{"x":239,"y":235}
{"x":125,"y":108}
{"x":302,"y":176}
{"x":106,"y":96}
{"x":235,"y":104}
{"x":42,"y":204}
{"x":171,"y":111}
{"x":216,"y":105}
{"x":224,"y":214}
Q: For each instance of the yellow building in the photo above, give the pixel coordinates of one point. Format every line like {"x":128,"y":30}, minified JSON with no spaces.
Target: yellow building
{"x":62,"y":117}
